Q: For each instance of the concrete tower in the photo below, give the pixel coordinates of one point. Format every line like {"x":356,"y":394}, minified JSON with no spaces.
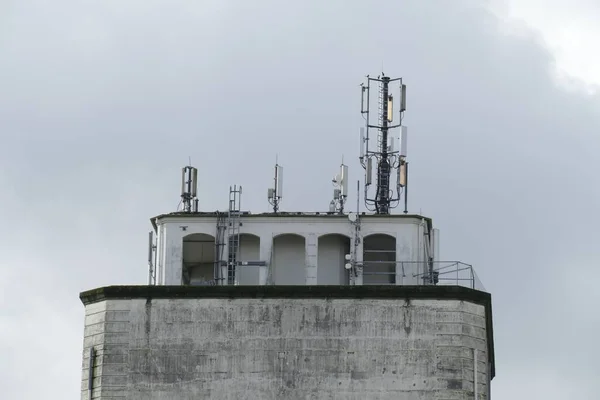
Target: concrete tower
{"x":296,"y":305}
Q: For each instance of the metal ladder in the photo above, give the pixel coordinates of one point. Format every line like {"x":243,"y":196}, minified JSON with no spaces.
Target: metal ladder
{"x":380,"y":118}
{"x":219,"y":245}
{"x":233,"y":222}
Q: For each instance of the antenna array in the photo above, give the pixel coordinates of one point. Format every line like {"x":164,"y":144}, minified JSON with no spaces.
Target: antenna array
{"x":275,"y":194}
{"x":189,"y":188}
{"x":340,"y":191}
{"x":386,"y":157}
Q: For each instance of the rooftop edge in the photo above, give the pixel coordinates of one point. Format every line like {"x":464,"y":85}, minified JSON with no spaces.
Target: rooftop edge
{"x":297,"y":214}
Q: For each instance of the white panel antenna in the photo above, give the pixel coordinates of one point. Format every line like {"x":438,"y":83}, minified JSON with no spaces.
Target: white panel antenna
{"x":275,"y":194}
{"x":403,"y":143}
{"x":344,"y":179}
{"x":369,"y":172}
{"x":279,"y":181}
{"x":340,"y":191}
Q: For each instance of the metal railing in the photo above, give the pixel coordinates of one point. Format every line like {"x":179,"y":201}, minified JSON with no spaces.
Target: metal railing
{"x":455,"y":273}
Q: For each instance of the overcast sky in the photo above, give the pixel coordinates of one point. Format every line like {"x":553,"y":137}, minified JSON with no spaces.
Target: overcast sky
{"x":101,"y":103}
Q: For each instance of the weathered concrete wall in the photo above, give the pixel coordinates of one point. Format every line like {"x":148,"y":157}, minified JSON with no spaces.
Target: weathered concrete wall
{"x":246,"y":348}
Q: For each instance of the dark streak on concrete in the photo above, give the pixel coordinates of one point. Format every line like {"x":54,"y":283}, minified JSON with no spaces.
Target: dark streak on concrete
{"x":455,"y":384}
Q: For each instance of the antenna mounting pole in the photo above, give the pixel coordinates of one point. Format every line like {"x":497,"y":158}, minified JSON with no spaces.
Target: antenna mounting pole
{"x":275,"y":194}
{"x":340,"y":191}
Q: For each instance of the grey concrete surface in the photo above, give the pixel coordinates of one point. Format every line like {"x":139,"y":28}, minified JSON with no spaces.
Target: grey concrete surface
{"x":286,"y":348}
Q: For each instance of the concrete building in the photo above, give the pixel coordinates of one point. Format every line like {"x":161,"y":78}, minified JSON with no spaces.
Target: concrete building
{"x":295,"y":305}
{"x":287,"y":342}
{"x":294,"y":322}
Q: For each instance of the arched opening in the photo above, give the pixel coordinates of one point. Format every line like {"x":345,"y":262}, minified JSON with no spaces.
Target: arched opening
{"x":198,"y":259}
{"x":289,"y":260}
{"x":249,"y":247}
{"x":331,"y":260}
{"x":246,"y":271}
{"x":379,"y":259}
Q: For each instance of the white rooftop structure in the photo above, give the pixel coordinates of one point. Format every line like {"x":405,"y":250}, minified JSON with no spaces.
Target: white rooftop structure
{"x":336,"y":247}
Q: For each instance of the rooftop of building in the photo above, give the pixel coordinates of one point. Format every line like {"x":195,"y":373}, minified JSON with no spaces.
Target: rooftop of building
{"x":286,"y":214}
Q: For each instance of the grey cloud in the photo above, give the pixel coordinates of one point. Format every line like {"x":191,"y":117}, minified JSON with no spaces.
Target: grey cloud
{"x":106,"y":102}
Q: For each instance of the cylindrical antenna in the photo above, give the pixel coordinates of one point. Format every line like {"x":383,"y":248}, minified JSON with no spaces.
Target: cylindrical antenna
{"x":402,"y":174}
{"x":369,"y":171}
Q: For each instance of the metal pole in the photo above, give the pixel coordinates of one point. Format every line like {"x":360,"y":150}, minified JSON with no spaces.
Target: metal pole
{"x":150,"y":266}
{"x":91,"y":371}
{"x":475,"y":372}
{"x":406,"y":191}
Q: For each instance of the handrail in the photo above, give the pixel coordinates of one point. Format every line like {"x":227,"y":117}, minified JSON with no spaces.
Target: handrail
{"x":444,"y":272}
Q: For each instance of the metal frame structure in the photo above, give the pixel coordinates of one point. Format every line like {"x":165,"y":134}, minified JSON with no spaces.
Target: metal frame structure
{"x":442,"y":273}
{"x":233,"y":222}
{"x":386,"y":157}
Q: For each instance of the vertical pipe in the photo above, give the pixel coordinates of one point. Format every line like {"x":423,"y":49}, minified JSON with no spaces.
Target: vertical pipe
{"x":92,"y":361}
{"x":150,"y":266}
{"x":475,"y":372}
{"x":406,"y":192}
{"x":489,"y":381}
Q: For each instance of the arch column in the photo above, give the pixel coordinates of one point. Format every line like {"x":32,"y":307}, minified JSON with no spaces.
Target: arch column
{"x":266,"y":254}
{"x":173,"y":259}
{"x":312,"y":255}
{"x":406,"y":267}
{"x":358,"y":280}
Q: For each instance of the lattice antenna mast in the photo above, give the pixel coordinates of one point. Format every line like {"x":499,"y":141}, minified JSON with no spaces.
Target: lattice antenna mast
{"x":340,"y":190}
{"x":189,"y":188}
{"x":275,"y":194}
{"x":386,"y":158}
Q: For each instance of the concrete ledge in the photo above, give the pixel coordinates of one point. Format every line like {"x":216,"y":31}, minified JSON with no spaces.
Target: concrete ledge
{"x":288,"y":292}
{"x":301,"y":292}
